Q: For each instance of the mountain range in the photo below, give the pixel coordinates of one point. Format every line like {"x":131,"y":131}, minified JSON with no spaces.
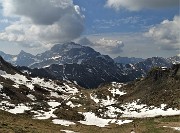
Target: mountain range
{"x":112,"y":107}
{"x":84,"y":66}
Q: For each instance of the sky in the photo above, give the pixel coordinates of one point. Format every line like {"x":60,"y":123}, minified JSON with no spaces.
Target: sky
{"x":131,"y":28}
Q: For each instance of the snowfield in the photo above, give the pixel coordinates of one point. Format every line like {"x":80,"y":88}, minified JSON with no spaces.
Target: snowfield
{"x":14,"y":109}
{"x":92,"y":119}
{"x":63,"y":122}
{"x":22,"y":80}
{"x":175,"y":128}
{"x":145,"y":111}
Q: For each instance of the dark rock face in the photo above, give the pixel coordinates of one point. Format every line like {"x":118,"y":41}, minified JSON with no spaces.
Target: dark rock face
{"x":7,"y":67}
{"x":83,"y":65}
{"x":24,"y":59}
{"x":176,"y":70}
{"x":67,"y":53}
{"x":86,"y":75}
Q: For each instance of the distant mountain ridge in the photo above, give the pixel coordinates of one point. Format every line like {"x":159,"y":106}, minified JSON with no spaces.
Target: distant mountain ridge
{"x":83,"y":65}
{"x":127,"y":60}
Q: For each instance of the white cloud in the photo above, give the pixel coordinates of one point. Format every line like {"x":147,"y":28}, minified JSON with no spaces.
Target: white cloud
{"x":166,"y":34}
{"x":42,"y":21}
{"x":110,"y":46}
{"x":105,"y":46}
{"x":85,"y":42}
{"x":135,"y":5}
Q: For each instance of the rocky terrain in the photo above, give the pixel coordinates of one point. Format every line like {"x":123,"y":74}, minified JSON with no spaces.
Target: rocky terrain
{"x":84,"y":66}
{"x":111,"y":107}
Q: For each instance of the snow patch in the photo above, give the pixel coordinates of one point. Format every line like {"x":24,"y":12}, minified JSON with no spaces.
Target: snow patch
{"x":16,"y":86}
{"x":19,"y":109}
{"x":63,"y":122}
{"x":115,"y":91}
{"x":92,"y":119}
{"x":1,"y":87}
{"x":32,"y":97}
{"x":68,"y":131}
{"x":72,"y":105}
{"x":142,"y":110}
{"x":175,"y":128}
{"x":103,"y":102}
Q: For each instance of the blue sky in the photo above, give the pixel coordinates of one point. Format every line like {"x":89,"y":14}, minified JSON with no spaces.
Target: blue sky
{"x":139,"y":28}
{"x":98,"y":17}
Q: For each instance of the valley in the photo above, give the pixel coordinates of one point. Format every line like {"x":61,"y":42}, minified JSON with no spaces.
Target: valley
{"x":149,"y":104}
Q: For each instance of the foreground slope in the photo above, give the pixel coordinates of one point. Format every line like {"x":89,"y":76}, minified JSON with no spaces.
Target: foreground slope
{"x":110,"y":108}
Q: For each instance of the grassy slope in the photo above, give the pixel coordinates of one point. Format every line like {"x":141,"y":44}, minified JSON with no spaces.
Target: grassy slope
{"x":10,"y":123}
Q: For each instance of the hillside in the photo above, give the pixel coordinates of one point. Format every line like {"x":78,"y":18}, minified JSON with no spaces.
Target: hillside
{"x":110,"y":108}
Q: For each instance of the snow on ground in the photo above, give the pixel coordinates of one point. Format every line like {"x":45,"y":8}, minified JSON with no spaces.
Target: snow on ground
{"x":16,"y":86}
{"x":54,"y":104}
{"x":92,"y":119}
{"x":120,"y":122}
{"x":175,"y":128}
{"x":19,"y":109}
{"x":1,"y":86}
{"x":141,"y":111}
{"x":72,"y":90}
{"x":5,"y":96}
{"x":116,"y":91}
{"x":111,"y":112}
{"x":117,"y":85}
{"x":63,"y":122}
{"x":42,"y":115}
{"x":54,"y":94}
{"x":22,"y":80}
{"x":5,"y":105}
{"x":19,"y":80}
{"x":14,"y":109}
{"x":32,"y":97}
{"x":103,"y":102}
{"x":11,"y":108}
{"x":46,"y":115}
{"x":68,"y":131}
{"x":69,"y":103}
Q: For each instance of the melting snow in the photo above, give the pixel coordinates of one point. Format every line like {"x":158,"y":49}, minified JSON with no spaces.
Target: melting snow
{"x":175,"y":128}
{"x":54,"y":94}
{"x":91,"y":119}
{"x":1,"y":86}
{"x":103,"y":102}
{"x":141,"y":111}
{"x":20,"y":108}
{"x":72,"y":105}
{"x":68,"y":131}
{"x":22,"y":80}
{"x":32,"y":97}
{"x":117,"y":92}
{"x":54,"y":104}
{"x":63,"y":122}
{"x":16,"y":86}
{"x":46,"y":115}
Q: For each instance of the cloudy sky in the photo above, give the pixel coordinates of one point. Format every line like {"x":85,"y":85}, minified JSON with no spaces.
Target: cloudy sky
{"x":139,"y":28}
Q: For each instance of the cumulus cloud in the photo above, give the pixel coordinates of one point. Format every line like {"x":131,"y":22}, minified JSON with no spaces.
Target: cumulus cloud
{"x":110,"y":46}
{"x":85,"y":42}
{"x":42,"y":21}
{"x":135,"y":5}
{"x":166,"y":34}
{"x":105,"y":46}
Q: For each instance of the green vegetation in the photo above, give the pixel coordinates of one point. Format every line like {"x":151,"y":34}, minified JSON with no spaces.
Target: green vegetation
{"x":10,"y":123}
